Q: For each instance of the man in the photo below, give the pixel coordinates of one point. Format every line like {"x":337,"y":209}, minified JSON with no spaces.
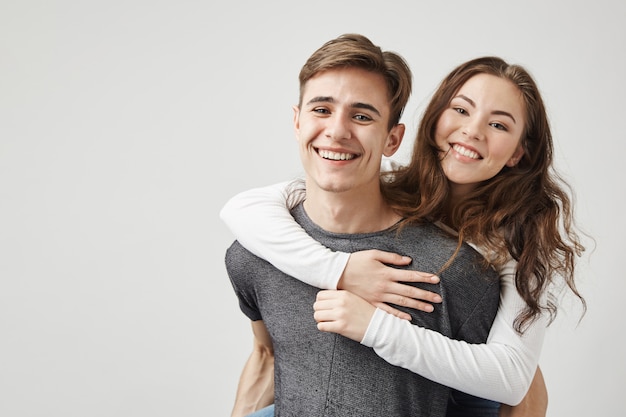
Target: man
{"x":351,"y":99}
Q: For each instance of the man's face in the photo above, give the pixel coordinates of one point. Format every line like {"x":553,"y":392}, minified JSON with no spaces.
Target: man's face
{"x":342,"y":130}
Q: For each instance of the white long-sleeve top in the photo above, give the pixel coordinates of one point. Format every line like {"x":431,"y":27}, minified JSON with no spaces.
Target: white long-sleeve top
{"x":499,"y":370}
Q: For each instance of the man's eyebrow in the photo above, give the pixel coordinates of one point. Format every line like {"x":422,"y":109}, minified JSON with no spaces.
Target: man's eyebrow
{"x":321,"y":99}
{"x":366,"y":106}
{"x":498,"y":112}
{"x":357,"y":105}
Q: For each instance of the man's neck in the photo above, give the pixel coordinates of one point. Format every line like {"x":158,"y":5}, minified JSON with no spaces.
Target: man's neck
{"x":349,"y":212}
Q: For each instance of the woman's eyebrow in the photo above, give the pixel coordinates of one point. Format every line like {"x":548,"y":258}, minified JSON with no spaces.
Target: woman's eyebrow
{"x":469,"y":100}
{"x":504,"y":113}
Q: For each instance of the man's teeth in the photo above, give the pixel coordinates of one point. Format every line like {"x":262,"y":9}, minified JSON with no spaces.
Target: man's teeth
{"x":336,"y":156}
{"x":465,"y":152}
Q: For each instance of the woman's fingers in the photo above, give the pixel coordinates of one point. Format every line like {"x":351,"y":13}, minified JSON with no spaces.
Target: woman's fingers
{"x":342,"y":312}
{"x":403,"y":293}
{"x":405,"y":275}
{"x":393,"y":311}
{"x":388,"y":258}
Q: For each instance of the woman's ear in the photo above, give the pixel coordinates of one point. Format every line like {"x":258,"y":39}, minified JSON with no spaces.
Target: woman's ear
{"x":517,"y":155}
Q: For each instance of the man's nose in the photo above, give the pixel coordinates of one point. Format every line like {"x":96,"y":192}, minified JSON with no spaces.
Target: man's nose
{"x":338,"y":127}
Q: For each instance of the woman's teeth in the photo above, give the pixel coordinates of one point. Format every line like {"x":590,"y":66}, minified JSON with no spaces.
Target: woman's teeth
{"x":465,"y":152}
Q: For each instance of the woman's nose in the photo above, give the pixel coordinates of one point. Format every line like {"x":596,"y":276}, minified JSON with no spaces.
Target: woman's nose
{"x":474,"y":129}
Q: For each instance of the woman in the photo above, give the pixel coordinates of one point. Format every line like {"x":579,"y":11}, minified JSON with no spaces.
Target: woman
{"x":481,"y":168}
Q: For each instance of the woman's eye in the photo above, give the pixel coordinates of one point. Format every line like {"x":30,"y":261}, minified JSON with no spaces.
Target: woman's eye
{"x":499,"y":126}
{"x":459,"y":110}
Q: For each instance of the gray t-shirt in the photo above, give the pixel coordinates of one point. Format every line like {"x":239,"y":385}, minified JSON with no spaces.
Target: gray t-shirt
{"x":324,"y":374}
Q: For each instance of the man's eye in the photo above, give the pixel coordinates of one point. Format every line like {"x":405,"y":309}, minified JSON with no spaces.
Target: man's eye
{"x":362,"y":118}
{"x":320,"y":110}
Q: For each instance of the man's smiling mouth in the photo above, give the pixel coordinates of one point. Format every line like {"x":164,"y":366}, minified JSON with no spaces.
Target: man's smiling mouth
{"x":336,"y":156}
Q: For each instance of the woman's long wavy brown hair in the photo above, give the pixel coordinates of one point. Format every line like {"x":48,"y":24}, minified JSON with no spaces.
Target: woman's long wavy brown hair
{"x":524,"y":211}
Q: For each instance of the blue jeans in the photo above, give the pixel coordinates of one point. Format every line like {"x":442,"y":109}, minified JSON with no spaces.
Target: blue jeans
{"x":264,"y":412}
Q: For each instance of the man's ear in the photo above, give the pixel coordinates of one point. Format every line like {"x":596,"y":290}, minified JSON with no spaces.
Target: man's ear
{"x":517,"y":155}
{"x":296,"y":121}
{"x":394,"y":139}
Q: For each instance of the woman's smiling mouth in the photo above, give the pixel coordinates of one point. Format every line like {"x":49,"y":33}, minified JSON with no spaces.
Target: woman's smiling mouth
{"x":462,"y":150}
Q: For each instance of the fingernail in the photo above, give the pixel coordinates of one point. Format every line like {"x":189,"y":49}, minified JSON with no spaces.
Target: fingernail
{"x":434,"y":279}
{"x":437,"y":299}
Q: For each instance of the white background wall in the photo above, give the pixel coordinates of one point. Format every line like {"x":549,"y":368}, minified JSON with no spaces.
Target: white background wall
{"x":125,"y":125}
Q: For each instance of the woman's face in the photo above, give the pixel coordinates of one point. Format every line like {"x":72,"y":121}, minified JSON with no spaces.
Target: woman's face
{"x":480,"y":131}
